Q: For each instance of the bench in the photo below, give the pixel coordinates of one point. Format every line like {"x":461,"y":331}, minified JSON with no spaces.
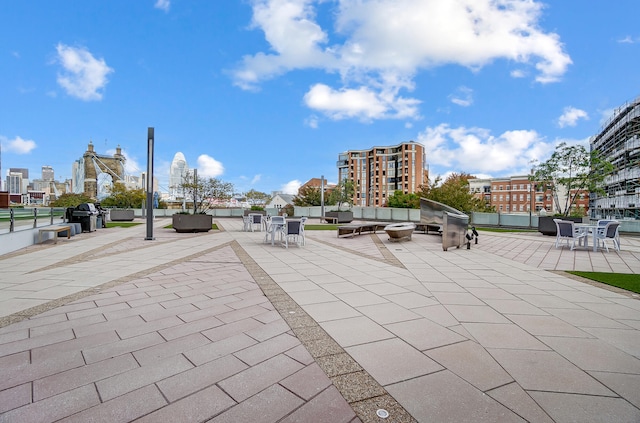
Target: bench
{"x":329,"y":219}
{"x":425,"y":227}
{"x":56,"y":230}
{"x":360,"y":228}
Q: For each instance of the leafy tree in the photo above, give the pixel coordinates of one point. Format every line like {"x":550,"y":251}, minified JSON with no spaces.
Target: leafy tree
{"x":454,"y":192}
{"x":570,"y":171}
{"x":308,"y":196}
{"x":257,"y":195}
{"x":70,"y":200}
{"x":403,"y":201}
{"x":342,"y":194}
{"x":202,"y":191}
{"x":121,"y":197}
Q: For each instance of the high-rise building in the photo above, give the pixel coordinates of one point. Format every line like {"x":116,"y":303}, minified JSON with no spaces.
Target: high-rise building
{"x":380,"y":171}
{"x":47,"y":173}
{"x":15,"y":183}
{"x":17,"y":180}
{"x":619,"y":143}
{"x":177,"y":171}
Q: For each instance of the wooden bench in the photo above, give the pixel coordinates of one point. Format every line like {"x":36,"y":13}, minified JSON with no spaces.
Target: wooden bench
{"x":329,"y":219}
{"x":56,"y":230}
{"x":360,"y":228}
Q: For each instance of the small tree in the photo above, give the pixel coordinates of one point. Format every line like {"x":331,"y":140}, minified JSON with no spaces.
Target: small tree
{"x":253,"y":195}
{"x":342,"y":194}
{"x":403,"y":201}
{"x":70,"y":200}
{"x":308,"y":196}
{"x":202,"y":191}
{"x":454,"y":192}
{"x":121,"y":197}
{"x":570,"y":171}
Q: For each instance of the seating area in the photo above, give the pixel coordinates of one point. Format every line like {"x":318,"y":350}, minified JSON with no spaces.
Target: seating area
{"x":608,"y":231}
{"x":360,"y":228}
{"x":56,"y":230}
{"x":576,"y":235}
{"x":253,"y":222}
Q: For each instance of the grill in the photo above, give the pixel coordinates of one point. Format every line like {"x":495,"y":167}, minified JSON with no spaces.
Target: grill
{"x":86,"y":214}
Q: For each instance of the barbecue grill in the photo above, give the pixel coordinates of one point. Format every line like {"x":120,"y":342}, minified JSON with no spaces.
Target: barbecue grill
{"x":86,"y":214}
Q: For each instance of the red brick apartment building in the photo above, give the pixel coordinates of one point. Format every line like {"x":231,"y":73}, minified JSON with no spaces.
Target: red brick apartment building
{"x":379,"y":171}
{"x":516,"y":194}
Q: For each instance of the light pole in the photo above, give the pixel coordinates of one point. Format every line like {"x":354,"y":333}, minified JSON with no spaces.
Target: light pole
{"x":321,"y":196}
{"x":150,"y":139}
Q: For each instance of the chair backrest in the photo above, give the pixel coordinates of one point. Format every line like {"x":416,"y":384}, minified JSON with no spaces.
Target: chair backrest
{"x":293,"y":227}
{"x":565,"y":228}
{"x":611,"y":228}
{"x":256,"y":218}
{"x":603,"y":222}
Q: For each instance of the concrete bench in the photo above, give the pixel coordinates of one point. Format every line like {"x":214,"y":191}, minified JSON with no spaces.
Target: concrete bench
{"x":56,"y":230}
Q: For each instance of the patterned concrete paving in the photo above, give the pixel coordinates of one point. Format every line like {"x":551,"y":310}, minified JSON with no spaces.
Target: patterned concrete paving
{"x":223,"y":327}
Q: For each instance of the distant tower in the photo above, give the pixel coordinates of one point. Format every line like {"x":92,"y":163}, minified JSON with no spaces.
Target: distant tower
{"x":178,"y":169}
{"x":47,"y":173}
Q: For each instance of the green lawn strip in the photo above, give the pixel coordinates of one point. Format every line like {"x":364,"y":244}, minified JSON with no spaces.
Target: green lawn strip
{"x":322,"y":227}
{"x":122,"y":224}
{"x":214,"y":227}
{"x":628,"y":281}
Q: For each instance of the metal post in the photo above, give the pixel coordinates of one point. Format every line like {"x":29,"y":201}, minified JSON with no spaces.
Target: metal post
{"x":321,"y":196}
{"x":150,"y":137}
{"x":195,"y":191}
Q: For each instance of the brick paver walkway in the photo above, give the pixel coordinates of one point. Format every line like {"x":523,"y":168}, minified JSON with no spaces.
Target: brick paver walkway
{"x":223,"y":327}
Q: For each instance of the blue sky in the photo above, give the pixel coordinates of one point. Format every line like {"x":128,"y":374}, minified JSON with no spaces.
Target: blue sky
{"x":266,"y":93}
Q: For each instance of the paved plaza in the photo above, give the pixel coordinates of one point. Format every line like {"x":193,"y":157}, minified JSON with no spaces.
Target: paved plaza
{"x":223,"y":327}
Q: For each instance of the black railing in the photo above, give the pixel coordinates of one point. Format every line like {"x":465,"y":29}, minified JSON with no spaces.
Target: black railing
{"x":14,"y":219}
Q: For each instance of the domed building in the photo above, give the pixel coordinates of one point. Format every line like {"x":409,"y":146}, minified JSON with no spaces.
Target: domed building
{"x":178,"y":169}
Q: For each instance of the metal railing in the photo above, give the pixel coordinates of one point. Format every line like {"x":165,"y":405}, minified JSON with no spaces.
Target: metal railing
{"x":15,"y":219}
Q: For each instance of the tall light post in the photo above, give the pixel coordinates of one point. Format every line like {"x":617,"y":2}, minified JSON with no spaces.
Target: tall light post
{"x":150,"y":138}
{"x":321,"y":196}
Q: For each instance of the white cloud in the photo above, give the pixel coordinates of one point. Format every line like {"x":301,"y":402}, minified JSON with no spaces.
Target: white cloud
{"x":84,"y":76}
{"x":462,"y":97}
{"x":366,"y":45}
{"x":362,"y":103}
{"x":476,"y":151}
{"x":17,"y":145}
{"x":209,"y":167}
{"x":606,"y":115}
{"x":312,"y":122}
{"x":256,"y":179}
{"x":291,"y":187}
{"x":163,"y":5}
{"x":570,"y":116}
{"x":629,"y":40}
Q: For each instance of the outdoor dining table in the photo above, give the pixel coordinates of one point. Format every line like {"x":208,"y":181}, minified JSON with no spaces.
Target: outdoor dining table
{"x":588,"y":229}
{"x":273,"y":228}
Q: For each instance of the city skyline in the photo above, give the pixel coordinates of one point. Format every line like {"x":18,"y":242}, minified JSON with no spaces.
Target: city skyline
{"x":266,"y":94}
